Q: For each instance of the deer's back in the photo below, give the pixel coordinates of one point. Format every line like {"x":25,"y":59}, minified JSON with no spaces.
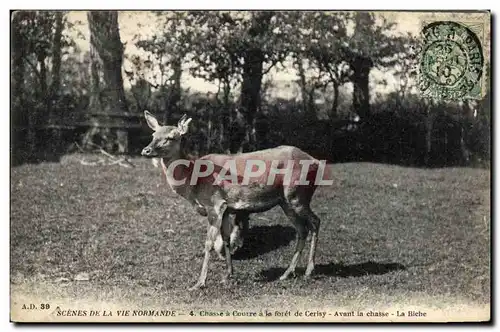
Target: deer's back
{"x":283,"y":154}
{"x":261,"y":193}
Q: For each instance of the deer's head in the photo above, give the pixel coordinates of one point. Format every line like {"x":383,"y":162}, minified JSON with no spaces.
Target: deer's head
{"x":167,"y":140}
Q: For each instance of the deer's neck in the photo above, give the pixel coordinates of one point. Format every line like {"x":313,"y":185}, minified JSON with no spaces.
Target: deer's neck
{"x":178,"y":169}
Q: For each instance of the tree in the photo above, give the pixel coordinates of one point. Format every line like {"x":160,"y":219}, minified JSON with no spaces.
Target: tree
{"x":166,"y":52}
{"x":107,"y":94}
{"x":18,"y":53}
{"x":198,"y":38}
{"x":321,"y":35}
{"x":372,"y":44}
{"x":216,"y":57}
{"x":38,"y":42}
{"x":232,"y":48}
{"x":343,"y":47}
{"x":56,"y":58}
{"x":254,"y":56}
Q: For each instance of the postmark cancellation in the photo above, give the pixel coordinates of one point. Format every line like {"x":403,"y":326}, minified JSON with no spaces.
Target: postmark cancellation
{"x":453,"y":58}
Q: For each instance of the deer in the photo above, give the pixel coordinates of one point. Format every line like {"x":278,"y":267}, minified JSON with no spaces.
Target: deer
{"x":228,"y":204}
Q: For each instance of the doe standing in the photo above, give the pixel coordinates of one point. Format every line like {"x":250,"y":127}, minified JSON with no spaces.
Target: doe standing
{"x":285,"y":176}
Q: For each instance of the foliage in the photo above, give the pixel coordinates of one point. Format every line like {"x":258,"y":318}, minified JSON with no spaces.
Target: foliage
{"x":219,"y":41}
{"x":320,"y":39}
{"x":374,"y":37}
{"x":161,"y":70}
{"x":35,"y":33}
{"x":37,"y":29}
{"x":325,"y":49}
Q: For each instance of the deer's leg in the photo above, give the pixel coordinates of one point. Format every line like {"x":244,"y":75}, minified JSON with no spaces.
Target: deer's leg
{"x":301,"y":228}
{"x":212,"y":233}
{"x":224,"y":226}
{"x":314,"y":223}
{"x":299,"y":200}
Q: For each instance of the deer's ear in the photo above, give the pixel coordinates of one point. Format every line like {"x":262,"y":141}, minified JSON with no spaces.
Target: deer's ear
{"x":151,"y":121}
{"x":183,"y":124}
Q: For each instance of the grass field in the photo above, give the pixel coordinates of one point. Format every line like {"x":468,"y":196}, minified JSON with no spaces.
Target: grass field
{"x":388,"y":233}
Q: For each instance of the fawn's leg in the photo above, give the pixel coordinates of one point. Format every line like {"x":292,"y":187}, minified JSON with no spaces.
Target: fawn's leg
{"x":226,"y":227}
{"x":239,"y":232}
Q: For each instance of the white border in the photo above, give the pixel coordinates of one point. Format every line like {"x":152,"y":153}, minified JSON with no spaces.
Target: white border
{"x":184,"y":4}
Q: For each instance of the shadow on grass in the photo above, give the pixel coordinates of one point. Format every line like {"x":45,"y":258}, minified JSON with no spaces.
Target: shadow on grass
{"x":338,"y":270}
{"x":263,"y":239}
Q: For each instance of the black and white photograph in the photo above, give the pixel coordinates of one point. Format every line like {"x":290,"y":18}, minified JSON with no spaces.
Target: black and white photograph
{"x":247,"y":166}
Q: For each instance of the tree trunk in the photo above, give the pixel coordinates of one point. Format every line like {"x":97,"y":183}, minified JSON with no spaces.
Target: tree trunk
{"x":138,"y":90}
{"x":56,"y":61}
{"x":225,"y":119}
{"x":37,"y":114}
{"x":44,"y":91}
{"x":261,"y":130}
{"x":303,"y":86}
{"x":429,"y":124}
{"x":250,"y":99}
{"x":55,"y":84}
{"x":465,"y":152}
{"x":173,"y":102}
{"x":108,"y":95}
{"x":18,"y":50}
{"x":208,"y":145}
{"x":251,"y":86}
{"x":307,"y":92}
{"x":335,"y":102}
{"x":361,"y":93}
{"x":17,"y":80}
{"x":95,"y":79}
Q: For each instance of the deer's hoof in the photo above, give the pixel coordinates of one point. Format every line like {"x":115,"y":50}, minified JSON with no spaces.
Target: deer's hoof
{"x":287,"y":274}
{"x":234,"y":247}
{"x":309,"y":271}
{"x":198,"y":285}
{"x":307,"y":276}
{"x":236,"y":242}
{"x":227,"y":280}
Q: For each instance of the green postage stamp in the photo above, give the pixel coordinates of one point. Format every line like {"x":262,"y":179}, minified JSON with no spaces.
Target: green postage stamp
{"x":452,"y":59}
